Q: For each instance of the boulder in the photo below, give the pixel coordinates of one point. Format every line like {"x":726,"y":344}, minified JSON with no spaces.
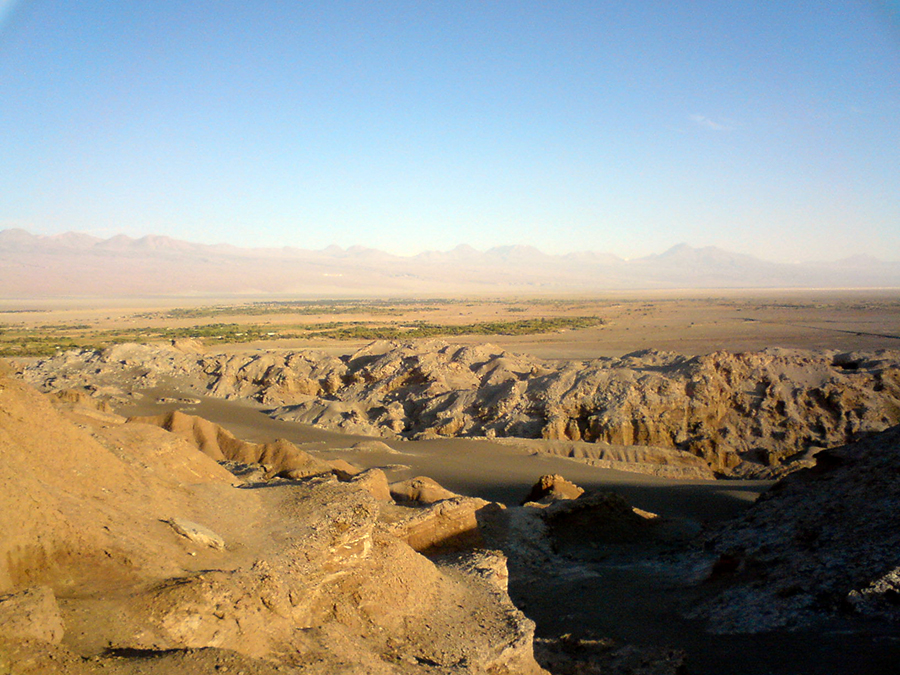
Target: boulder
{"x":343,"y":469}
{"x":553,"y":487}
{"x":374,"y":482}
{"x":420,"y":489}
{"x":597,"y":519}
{"x":31,"y":614}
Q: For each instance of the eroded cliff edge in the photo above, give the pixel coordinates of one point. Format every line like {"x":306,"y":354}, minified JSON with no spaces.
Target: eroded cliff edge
{"x":754,"y":414}
{"x":125,"y":547}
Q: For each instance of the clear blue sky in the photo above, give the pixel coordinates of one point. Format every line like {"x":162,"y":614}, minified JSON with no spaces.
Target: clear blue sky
{"x":769,"y":128}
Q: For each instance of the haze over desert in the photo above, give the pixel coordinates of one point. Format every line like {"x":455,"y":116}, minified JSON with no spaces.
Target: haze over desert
{"x":653,"y":418}
{"x":79,"y":265}
{"x":403,"y":338}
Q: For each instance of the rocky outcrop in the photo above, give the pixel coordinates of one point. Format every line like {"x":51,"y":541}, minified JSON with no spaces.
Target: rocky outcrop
{"x":420,"y":489}
{"x":578,"y":525}
{"x":822,"y":542}
{"x":446,"y":525}
{"x":654,"y":461}
{"x":280,"y":457}
{"x":564,"y":557}
{"x":373,"y":481}
{"x":148,"y":547}
{"x":551,"y":488}
{"x":748,"y":414}
{"x":431,"y":518}
{"x":31,"y":614}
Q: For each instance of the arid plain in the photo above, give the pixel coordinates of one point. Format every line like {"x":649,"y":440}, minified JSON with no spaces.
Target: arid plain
{"x":688,"y":322}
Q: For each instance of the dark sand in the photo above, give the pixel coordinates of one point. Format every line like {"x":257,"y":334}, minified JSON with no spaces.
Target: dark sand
{"x":633,"y":594}
{"x":477,"y":468}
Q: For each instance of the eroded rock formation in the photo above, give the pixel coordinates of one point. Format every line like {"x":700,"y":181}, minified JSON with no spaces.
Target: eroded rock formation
{"x":743,"y":414}
{"x":124,"y":540}
{"x":823,"y":541}
{"x":280,"y":457}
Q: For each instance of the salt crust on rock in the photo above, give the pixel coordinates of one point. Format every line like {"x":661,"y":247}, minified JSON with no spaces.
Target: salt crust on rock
{"x":822,"y":542}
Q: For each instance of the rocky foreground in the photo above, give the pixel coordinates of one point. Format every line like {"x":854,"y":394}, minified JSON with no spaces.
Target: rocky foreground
{"x":126,"y":548}
{"x":166,"y":545}
{"x":759,"y":414}
{"x":823,"y":541}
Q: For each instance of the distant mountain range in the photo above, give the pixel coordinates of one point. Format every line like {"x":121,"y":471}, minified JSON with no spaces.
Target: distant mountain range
{"x":77,"y":264}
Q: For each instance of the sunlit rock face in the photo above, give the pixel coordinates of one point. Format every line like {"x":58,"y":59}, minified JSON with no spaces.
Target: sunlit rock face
{"x":746,"y":414}
{"x":124,"y":541}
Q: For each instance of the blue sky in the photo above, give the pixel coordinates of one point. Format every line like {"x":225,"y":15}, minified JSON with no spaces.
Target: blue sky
{"x":768,"y":128}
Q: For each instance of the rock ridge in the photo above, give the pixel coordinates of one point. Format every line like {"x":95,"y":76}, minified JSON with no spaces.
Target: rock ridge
{"x":754,"y":414}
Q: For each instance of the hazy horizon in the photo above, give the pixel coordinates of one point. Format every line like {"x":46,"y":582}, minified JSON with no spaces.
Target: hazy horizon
{"x":463,"y":246}
{"x":766,"y":129}
{"x":72,"y":264}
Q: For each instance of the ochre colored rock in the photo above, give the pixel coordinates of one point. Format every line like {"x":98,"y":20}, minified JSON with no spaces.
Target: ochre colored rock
{"x":311,"y":578}
{"x":31,"y":614}
{"x":420,"y":489}
{"x":553,"y":487}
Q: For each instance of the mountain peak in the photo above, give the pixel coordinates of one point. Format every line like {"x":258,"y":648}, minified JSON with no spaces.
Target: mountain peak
{"x":157,"y":242}
{"x":74,"y":239}
{"x":118,"y":242}
{"x":16,"y":236}
{"x":678,"y":250}
{"x":34,"y":264}
{"x":516,"y":252}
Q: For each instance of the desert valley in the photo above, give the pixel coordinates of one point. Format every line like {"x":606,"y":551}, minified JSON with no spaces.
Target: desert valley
{"x":664,"y":477}
{"x":449,"y":338}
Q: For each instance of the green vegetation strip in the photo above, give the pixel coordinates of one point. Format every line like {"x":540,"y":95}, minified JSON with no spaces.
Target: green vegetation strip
{"x":299,"y":307}
{"x":388,"y":307}
{"x":427,"y":330}
{"x":46,"y":341}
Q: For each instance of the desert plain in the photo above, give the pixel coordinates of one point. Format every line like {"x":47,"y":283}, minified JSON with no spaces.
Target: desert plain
{"x":688,"y":321}
{"x":678,"y":572}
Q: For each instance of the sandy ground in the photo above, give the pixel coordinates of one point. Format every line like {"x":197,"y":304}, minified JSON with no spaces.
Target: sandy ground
{"x":478,"y":468}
